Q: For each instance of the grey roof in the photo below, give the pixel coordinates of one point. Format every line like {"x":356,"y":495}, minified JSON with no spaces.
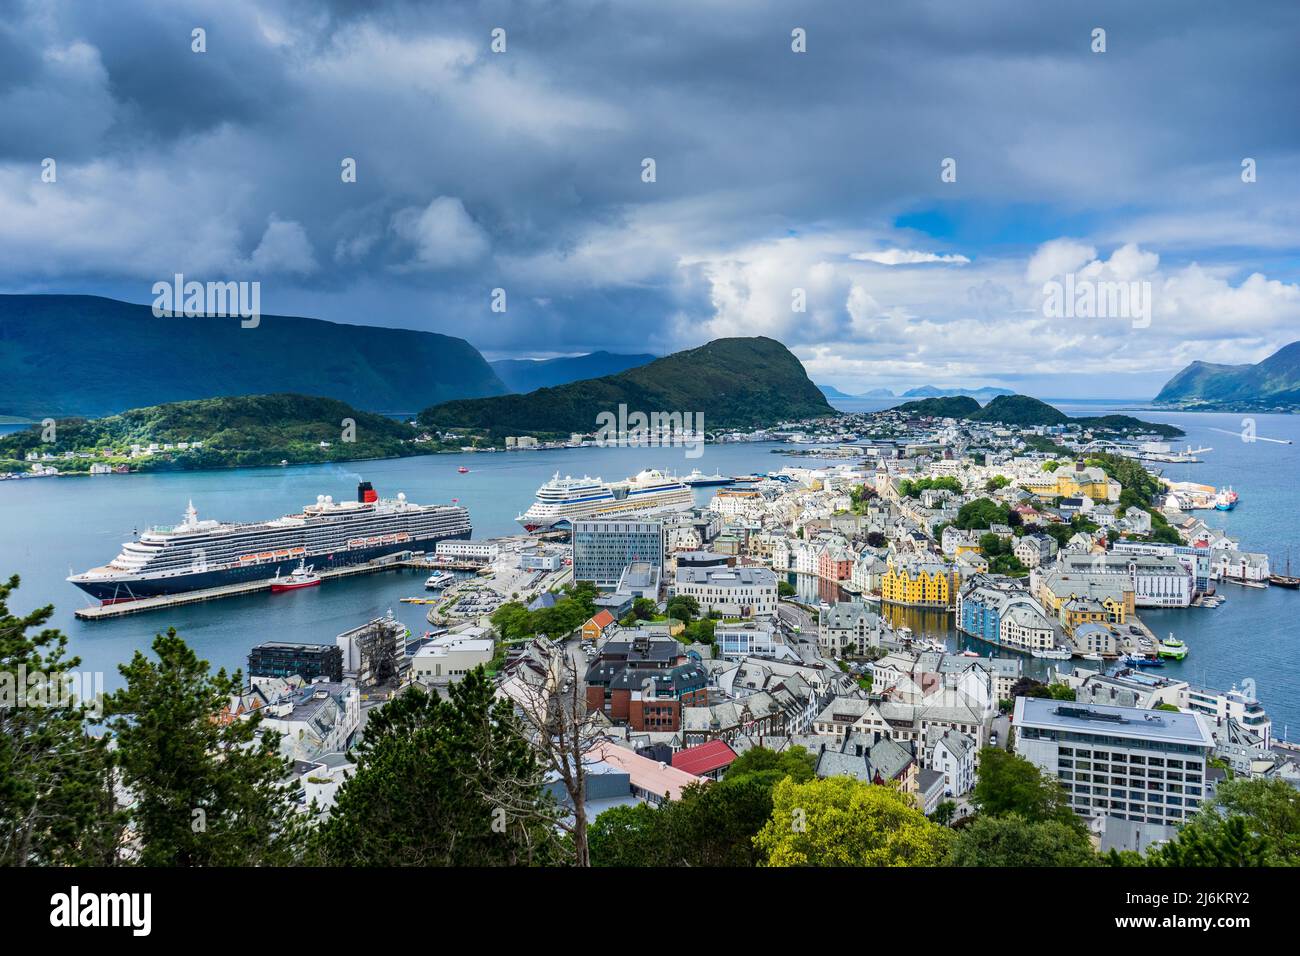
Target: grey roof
{"x":1104,"y":719}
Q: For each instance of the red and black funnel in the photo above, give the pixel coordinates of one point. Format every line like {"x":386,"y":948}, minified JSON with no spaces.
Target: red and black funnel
{"x":366,"y":493}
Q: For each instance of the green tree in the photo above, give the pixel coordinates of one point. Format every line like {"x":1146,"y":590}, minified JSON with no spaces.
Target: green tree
{"x":683,"y":607}
{"x":711,"y":825}
{"x":1012,"y":841}
{"x":769,"y":767}
{"x":1009,"y":784}
{"x":644,"y":609}
{"x":440,"y":782}
{"x":840,"y":821}
{"x":1226,"y":843}
{"x":785,"y":589}
{"x":981,"y":513}
{"x":56,"y":795}
{"x":208,"y":791}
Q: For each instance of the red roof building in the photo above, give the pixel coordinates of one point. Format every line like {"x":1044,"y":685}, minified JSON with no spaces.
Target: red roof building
{"x":706,"y":760}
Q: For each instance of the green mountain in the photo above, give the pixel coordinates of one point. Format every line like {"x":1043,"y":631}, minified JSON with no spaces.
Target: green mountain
{"x":1020,"y":410}
{"x":959,"y":406}
{"x":1272,"y":383}
{"x":1024,"y":411}
{"x":734,"y":383}
{"x":244,"y":431}
{"x":526,"y":375}
{"x":86,"y":355}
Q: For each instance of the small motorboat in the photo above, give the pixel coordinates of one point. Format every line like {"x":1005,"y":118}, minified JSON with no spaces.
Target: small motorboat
{"x":1173,"y":648}
{"x":463,"y":470}
{"x":301,"y":577}
{"x":1134,"y":660}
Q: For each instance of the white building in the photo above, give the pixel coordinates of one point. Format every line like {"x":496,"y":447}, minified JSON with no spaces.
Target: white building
{"x":732,"y":592}
{"x":953,"y":755}
{"x":1139,"y":773}
{"x":449,"y":657}
{"x":484,"y":551}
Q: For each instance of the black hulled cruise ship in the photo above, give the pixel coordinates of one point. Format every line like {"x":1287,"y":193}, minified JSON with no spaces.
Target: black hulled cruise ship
{"x":328,"y":534}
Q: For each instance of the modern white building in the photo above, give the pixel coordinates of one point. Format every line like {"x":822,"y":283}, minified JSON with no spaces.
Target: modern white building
{"x":1139,"y":773}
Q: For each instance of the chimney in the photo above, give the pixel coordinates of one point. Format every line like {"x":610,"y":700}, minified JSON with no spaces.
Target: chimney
{"x":366,"y":493}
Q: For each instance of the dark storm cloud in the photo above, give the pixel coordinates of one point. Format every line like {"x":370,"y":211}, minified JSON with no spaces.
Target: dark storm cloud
{"x":522,"y":170}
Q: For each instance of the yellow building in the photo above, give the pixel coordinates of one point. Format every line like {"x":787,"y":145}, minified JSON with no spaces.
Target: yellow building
{"x":923,"y":584}
{"x":1074,"y":481}
{"x":1076,"y":600}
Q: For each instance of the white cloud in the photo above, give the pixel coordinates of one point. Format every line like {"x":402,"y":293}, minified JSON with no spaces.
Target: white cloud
{"x":1057,"y":257}
{"x":284,"y":248}
{"x":445,"y":236}
{"x":899,"y":257}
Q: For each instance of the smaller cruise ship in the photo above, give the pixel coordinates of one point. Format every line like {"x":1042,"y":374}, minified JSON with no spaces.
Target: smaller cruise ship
{"x":561,"y":501}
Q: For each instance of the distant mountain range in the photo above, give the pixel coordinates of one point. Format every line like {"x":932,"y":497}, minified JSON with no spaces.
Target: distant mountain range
{"x":1024,"y":411}
{"x":733,"y":383}
{"x":87,"y":355}
{"x":526,"y":375}
{"x":1273,"y":383}
{"x":983,"y":393}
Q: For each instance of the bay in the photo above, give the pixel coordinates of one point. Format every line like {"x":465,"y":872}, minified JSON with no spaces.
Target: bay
{"x":49,"y":526}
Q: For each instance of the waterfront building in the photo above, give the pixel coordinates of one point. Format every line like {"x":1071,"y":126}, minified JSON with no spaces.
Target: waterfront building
{"x":602,"y":548}
{"x":835,"y":564}
{"x":732,"y":592}
{"x":285,"y":659}
{"x":1086,"y":598}
{"x":1144,"y":770}
{"x":849,"y":628}
{"x":482,"y":552}
{"x":1156,"y":581}
{"x":918,"y":583}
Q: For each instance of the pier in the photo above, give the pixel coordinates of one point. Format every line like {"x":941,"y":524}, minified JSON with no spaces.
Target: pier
{"x":103,"y":612}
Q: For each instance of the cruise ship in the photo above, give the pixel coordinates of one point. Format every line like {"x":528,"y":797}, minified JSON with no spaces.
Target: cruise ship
{"x":199,"y":554}
{"x":561,"y":501}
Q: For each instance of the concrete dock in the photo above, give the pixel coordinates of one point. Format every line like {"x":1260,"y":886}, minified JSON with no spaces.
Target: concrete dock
{"x":103,"y":612}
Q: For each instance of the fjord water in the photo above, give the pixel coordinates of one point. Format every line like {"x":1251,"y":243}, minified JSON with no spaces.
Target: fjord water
{"x":48,"y":526}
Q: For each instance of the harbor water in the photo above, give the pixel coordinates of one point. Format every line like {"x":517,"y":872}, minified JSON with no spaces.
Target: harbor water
{"x":51,"y":526}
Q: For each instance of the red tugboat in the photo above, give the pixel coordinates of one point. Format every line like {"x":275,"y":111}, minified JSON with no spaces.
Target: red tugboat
{"x":301,"y":577}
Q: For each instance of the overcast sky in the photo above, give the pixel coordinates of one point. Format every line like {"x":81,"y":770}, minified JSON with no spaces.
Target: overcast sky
{"x":775,"y":170}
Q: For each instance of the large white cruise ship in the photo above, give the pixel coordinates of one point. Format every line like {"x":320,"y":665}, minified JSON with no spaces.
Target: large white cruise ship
{"x":561,"y":501}
{"x":203,"y":554}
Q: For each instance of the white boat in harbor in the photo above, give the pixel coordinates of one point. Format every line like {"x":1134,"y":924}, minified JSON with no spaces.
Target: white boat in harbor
{"x":1055,"y":654}
{"x":439,"y":579}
